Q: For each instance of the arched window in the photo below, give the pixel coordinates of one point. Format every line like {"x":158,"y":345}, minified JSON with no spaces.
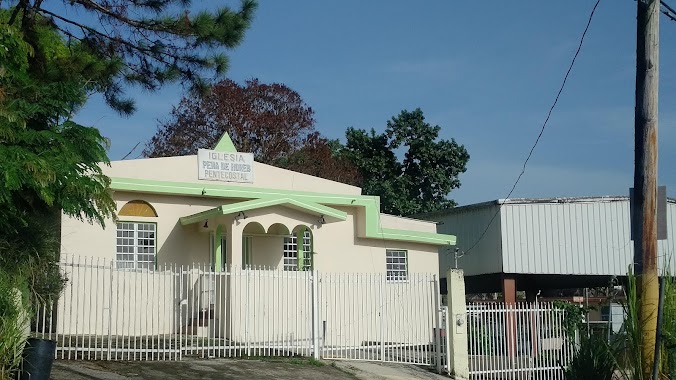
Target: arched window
{"x":137,"y":208}
{"x":290,"y":252}
{"x":136,"y":244}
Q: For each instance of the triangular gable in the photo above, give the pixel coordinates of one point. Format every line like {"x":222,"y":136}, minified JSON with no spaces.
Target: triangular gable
{"x":225,"y":144}
{"x":328,"y":213}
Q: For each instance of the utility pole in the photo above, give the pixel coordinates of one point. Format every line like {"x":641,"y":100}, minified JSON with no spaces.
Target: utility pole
{"x":645,"y":175}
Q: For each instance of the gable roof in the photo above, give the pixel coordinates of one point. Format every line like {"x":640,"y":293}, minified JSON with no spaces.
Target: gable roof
{"x":308,"y":207}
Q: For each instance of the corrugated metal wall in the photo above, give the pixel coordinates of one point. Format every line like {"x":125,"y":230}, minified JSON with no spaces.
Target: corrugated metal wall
{"x":586,"y":238}
{"x":467,"y":224}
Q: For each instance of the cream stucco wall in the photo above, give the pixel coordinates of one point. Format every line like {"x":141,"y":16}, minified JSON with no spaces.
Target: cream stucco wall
{"x":184,"y":169}
{"x":409,"y":224}
{"x":336,"y":245}
{"x":177,"y":244}
{"x":244,"y":301}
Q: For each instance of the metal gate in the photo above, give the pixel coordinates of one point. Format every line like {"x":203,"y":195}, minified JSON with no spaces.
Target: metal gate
{"x":517,"y":341}
{"x":106,"y":313}
{"x":367,"y":317}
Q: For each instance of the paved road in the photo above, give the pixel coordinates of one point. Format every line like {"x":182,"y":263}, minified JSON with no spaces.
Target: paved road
{"x":234,"y":369}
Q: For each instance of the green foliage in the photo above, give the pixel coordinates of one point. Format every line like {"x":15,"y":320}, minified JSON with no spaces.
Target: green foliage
{"x":632,"y":332}
{"x":269,"y":120}
{"x":421,"y":181}
{"x":594,"y":359}
{"x":31,"y":254}
{"x":12,"y":322}
{"x":573,"y":316}
{"x":138,"y":42}
{"x":47,"y":162}
{"x":668,"y":352}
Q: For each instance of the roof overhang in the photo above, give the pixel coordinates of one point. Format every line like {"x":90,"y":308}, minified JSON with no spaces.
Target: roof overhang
{"x":369,"y":219}
{"x":330,"y":214}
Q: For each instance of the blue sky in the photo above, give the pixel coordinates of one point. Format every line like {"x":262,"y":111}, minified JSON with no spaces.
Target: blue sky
{"x":486,"y":72}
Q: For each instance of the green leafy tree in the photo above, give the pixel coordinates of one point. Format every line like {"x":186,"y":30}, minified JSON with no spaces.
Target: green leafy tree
{"x":153,"y":42}
{"x":51,"y":61}
{"x":421,"y":181}
{"x":47,"y":161}
{"x":49,"y":65}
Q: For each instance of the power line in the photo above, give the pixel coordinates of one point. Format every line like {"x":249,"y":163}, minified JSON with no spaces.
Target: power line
{"x":669,"y":12}
{"x":544,"y":125}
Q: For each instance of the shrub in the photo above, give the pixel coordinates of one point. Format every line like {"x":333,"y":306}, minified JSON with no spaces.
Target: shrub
{"x":593,"y":360}
{"x":13,"y":319}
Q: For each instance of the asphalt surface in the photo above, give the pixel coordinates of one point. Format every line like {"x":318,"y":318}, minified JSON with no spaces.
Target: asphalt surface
{"x":235,"y":369}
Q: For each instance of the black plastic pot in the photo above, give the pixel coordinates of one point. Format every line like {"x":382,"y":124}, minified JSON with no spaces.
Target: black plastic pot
{"x":38,"y":357}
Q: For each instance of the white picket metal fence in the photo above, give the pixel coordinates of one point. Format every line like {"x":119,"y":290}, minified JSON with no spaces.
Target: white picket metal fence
{"x":105,"y":313}
{"x":365,"y":317}
{"x":517,"y":341}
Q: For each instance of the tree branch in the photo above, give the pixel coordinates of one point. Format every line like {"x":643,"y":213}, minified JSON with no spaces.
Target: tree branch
{"x":145,"y":51}
{"x":21,"y":6}
{"x":119,"y":17}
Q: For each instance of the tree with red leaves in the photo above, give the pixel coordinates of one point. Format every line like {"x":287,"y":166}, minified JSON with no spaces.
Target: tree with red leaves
{"x":269,"y":120}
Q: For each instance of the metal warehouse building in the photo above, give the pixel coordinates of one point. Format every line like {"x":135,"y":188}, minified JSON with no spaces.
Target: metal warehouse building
{"x":540,"y":244}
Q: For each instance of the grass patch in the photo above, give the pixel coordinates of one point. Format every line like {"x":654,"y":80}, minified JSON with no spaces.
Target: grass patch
{"x":295,"y":360}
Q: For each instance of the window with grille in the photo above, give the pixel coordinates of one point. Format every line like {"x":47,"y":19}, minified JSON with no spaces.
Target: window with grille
{"x":291,"y":252}
{"x":136,"y":245}
{"x":396,"y":265}
{"x":307,"y":251}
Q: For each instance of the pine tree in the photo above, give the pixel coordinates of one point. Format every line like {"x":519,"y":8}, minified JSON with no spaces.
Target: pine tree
{"x":54,"y":54}
{"x":51,"y":59}
{"x":152,"y":42}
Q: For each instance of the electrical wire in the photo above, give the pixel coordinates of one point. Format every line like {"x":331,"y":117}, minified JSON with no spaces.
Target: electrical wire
{"x":542,"y":130}
{"x":669,"y":12}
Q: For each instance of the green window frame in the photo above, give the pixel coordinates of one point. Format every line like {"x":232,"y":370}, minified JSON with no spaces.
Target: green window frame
{"x":291,"y":259}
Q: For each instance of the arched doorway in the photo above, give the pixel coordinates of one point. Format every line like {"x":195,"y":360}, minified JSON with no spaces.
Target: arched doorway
{"x":251,"y":230}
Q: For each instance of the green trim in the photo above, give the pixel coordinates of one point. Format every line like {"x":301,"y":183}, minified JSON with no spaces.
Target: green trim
{"x":300,"y":247}
{"x":218,"y":249}
{"x":234,"y":208}
{"x":247,"y":254}
{"x":225,"y":144}
{"x":370,"y":204}
{"x":418,"y":236}
{"x":233,"y":191}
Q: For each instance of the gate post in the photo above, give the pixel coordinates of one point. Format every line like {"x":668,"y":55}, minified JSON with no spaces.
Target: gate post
{"x":456,"y":343}
{"x":110,"y":313}
{"x":441,"y":314}
{"x":383,"y":283}
{"x":315,"y":314}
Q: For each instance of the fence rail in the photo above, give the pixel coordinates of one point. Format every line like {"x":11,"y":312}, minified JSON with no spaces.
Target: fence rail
{"x":517,"y":341}
{"x":106,"y":313}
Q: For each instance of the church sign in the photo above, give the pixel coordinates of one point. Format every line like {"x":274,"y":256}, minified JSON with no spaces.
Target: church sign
{"x":225,"y":166}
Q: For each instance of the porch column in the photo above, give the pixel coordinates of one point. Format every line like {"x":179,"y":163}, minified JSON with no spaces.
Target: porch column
{"x":218,"y":249}
{"x":509,"y":288}
{"x":509,"y":297}
{"x":234,"y":243}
